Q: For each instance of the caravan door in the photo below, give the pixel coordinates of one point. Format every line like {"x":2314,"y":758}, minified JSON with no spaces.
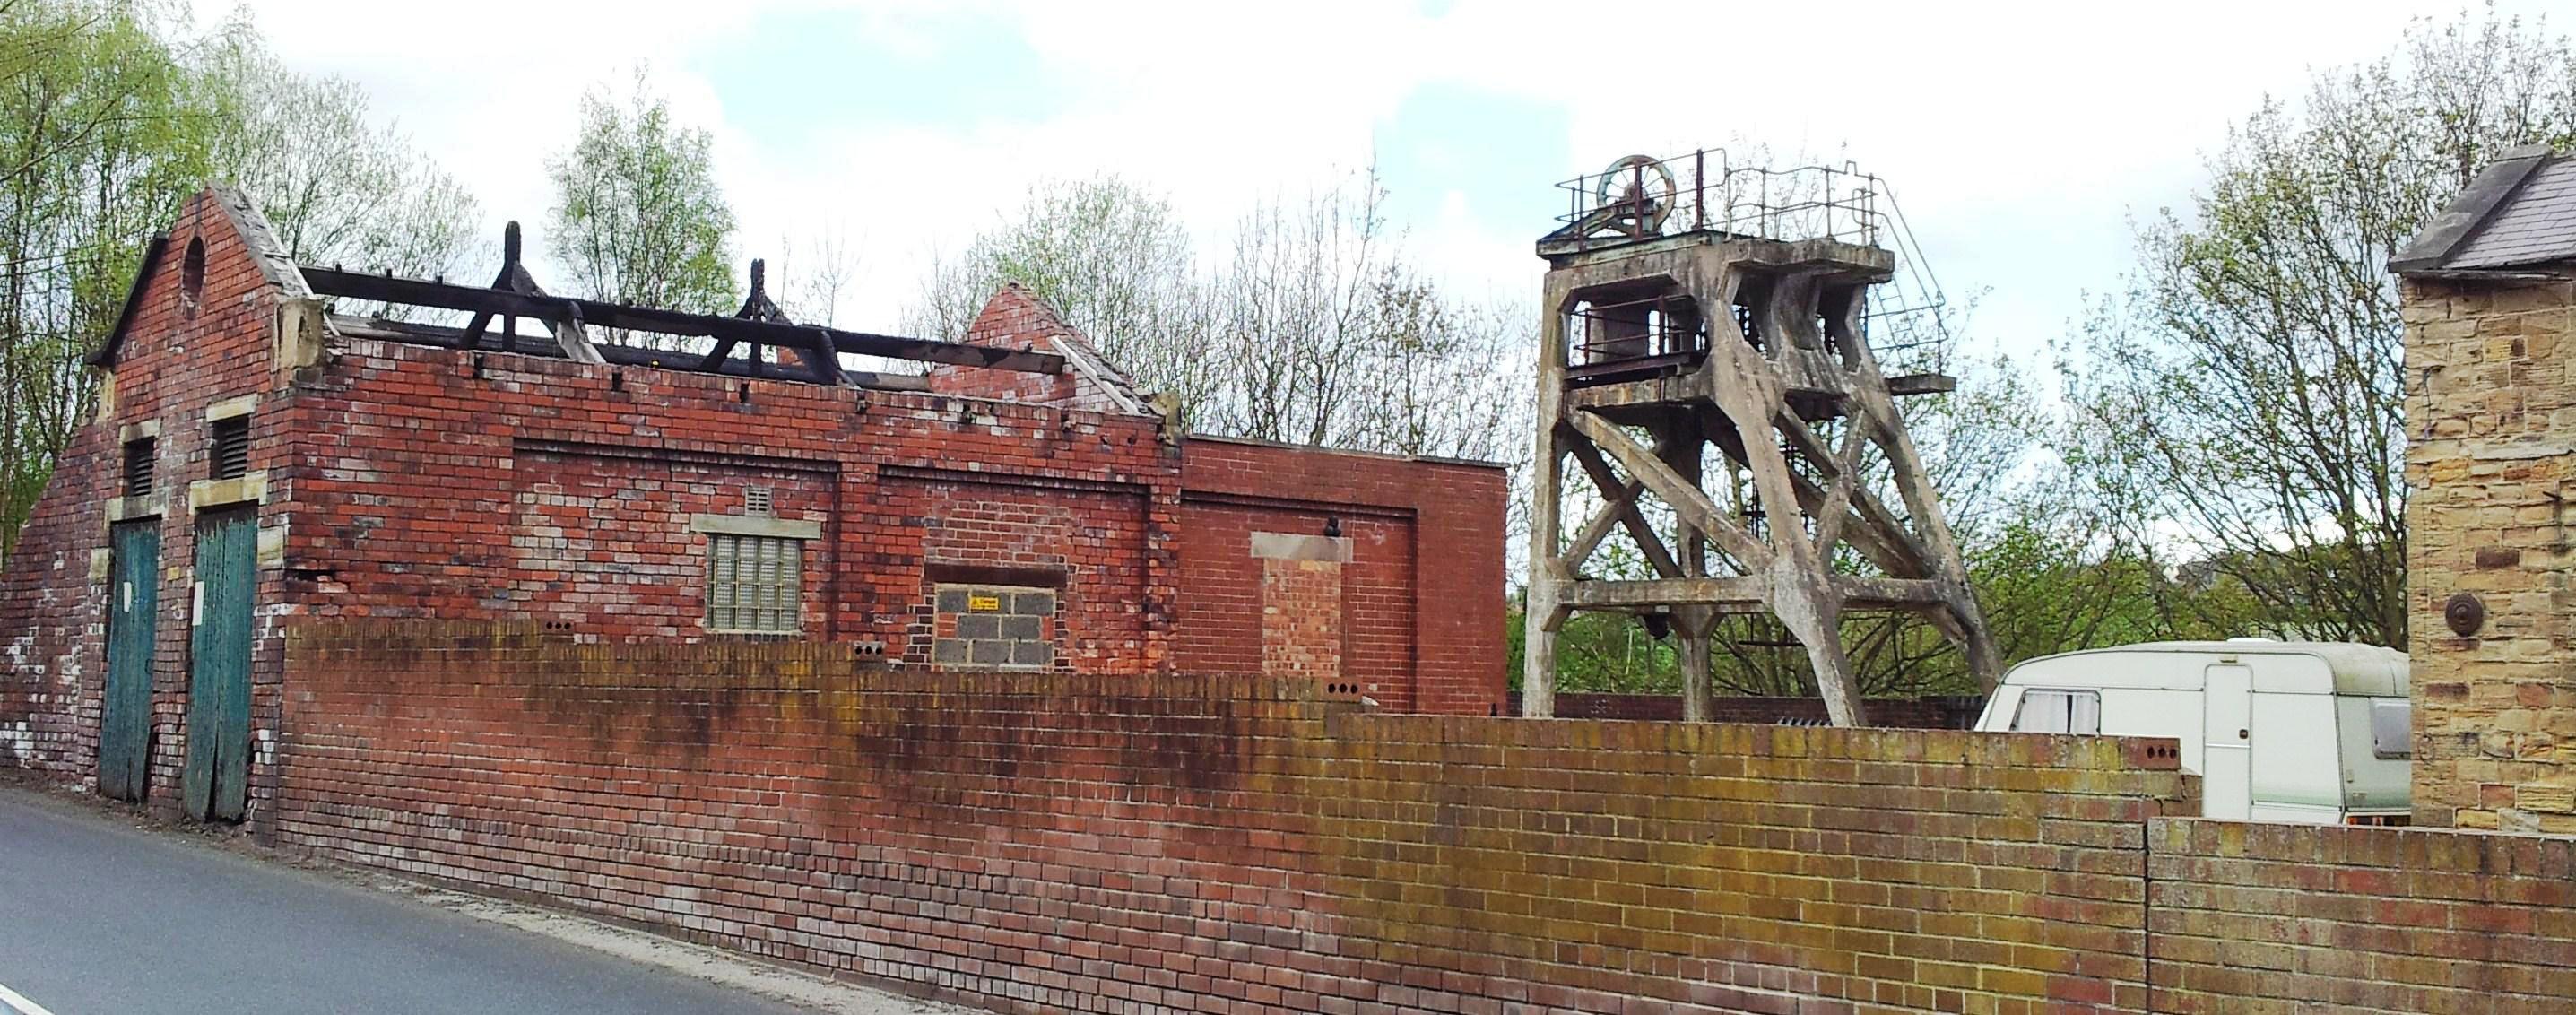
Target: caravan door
{"x":2227,"y":741}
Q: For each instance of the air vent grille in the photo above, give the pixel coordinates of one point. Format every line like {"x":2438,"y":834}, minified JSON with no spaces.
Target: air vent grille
{"x":231,"y":450}
{"x":138,"y":467}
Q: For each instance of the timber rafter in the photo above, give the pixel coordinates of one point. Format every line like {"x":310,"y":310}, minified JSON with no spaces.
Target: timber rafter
{"x":759,"y":324}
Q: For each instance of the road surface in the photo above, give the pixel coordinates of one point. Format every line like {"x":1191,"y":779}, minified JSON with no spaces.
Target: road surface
{"x":98,"y":917}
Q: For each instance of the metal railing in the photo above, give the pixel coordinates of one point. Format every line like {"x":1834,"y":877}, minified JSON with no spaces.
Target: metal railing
{"x":1641,"y":197}
{"x":1656,"y":326}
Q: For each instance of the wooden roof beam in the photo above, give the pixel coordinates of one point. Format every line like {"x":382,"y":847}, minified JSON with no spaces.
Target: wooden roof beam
{"x":603,"y":314}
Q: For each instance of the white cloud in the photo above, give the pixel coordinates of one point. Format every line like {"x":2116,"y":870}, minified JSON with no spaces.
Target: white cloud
{"x":2020,"y":136}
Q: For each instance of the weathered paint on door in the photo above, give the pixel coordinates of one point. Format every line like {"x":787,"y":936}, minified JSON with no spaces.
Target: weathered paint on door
{"x":125,"y":720}
{"x":215,"y":784}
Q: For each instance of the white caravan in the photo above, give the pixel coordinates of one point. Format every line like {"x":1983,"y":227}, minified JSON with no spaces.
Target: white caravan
{"x":2296,"y":731}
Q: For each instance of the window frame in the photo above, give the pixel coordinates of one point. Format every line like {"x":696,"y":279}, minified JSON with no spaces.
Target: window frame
{"x":2068,"y":696}
{"x":725,"y":556}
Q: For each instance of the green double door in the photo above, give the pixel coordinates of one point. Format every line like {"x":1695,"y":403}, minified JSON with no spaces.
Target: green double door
{"x":125,"y":716}
{"x":215,"y":784}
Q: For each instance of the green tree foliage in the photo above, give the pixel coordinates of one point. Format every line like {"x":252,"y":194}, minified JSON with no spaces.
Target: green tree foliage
{"x":2240,"y":402}
{"x":101,"y":132}
{"x":111,"y":113}
{"x":638,"y":217}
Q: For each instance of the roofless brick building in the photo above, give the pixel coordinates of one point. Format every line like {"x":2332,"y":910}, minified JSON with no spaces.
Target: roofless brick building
{"x":259,"y":459}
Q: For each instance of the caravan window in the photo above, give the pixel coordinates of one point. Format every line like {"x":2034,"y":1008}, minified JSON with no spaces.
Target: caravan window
{"x":2392,"y":729}
{"x":2059,"y":712}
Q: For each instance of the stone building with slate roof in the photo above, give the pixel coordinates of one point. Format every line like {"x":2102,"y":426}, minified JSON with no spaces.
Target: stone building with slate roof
{"x":2489,"y":292}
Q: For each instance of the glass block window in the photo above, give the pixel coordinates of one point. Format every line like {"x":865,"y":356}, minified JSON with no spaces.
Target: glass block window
{"x":755,"y":583}
{"x":994,"y":627}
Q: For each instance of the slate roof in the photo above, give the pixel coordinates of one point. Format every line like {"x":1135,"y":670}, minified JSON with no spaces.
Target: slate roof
{"x":2519,"y":214}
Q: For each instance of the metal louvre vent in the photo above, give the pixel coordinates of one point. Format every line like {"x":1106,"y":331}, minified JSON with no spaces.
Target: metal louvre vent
{"x":138,"y":467}
{"x":230,"y":453}
{"x":754,"y":583}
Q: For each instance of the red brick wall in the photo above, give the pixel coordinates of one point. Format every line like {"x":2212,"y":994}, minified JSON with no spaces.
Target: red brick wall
{"x":1043,"y":843}
{"x":1422,"y":594}
{"x":564,"y":493}
{"x":1098,"y":537}
{"x":407,"y":481}
{"x":602,"y":544}
{"x":1016,"y":318}
{"x":1301,"y":619}
{"x":1077,"y":843}
{"x":173,"y":364}
{"x":1220,"y":620}
{"x":2288,"y":918}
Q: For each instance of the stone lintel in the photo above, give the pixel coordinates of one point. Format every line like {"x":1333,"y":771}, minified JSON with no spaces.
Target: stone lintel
{"x":240,"y":405}
{"x":248,"y":488}
{"x":751,"y":525}
{"x":1290,"y":546}
{"x":126,"y":509}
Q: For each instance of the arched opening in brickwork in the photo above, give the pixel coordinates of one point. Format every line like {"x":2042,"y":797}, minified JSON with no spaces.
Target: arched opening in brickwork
{"x":192,"y":278}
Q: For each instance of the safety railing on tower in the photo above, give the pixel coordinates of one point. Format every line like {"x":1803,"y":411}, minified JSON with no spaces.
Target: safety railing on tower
{"x":1641,"y":197}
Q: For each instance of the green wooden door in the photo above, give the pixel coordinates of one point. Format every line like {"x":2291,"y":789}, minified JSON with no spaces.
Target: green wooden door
{"x":125,"y":717}
{"x":215,"y":785}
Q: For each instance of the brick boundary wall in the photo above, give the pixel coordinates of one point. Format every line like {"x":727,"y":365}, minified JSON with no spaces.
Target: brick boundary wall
{"x":1939,"y":713}
{"x":1044,"y":843}
{"x":2257,"y":919}
{"x":1041,"y":843}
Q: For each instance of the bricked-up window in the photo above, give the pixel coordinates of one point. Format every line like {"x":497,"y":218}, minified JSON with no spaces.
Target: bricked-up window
{"x":755,"y":583}
{"x":995,"y":626}
{"x":138,"y":466}
{"x":230,"y":448}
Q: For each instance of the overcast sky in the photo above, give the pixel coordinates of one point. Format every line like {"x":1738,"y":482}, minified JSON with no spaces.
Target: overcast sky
{"x":2022,"y":139}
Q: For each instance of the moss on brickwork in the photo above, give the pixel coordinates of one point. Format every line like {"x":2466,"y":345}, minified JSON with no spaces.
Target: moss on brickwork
{"x":1291,"y":851}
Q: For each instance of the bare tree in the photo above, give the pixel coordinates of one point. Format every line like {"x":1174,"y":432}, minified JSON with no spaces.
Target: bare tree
{"x":2247,"y":386}
{"x":811,"y":278}
{"x":337,"y":187}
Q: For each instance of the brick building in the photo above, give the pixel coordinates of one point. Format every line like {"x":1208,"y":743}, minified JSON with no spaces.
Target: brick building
{"x":259,"y":460}
{"x":2489,"y":300}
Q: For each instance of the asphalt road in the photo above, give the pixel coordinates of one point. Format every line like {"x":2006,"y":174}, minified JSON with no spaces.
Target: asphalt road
{"x":97,"y":918}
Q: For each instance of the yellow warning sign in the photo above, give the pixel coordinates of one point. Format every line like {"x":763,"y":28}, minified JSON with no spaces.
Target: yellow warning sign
{"x":983,"y":604}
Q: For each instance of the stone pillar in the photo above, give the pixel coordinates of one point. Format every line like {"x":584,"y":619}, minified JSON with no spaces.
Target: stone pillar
{"x":2491,"y":429}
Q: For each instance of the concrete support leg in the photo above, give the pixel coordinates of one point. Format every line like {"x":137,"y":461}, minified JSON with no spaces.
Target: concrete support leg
{"x":1815,"y":618}
{"x":1696,"y":700}
{"x":1541,"y":615}
{"x":1538,"y":656}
